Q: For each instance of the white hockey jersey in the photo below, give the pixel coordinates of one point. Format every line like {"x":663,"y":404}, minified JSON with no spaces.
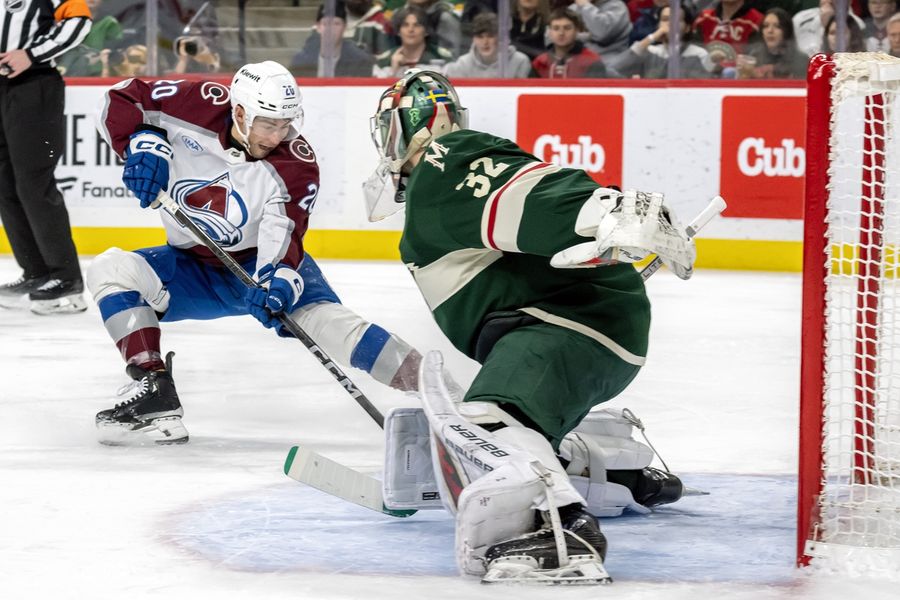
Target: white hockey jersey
{"x":248,"y":206}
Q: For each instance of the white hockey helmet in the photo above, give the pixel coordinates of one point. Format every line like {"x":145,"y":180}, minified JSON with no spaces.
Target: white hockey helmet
{"x":267,"y":89}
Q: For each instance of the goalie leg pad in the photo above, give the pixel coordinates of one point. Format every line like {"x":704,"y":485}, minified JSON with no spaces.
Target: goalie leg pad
{"x":409,"y":481}
{"x":488,"y":480}
{"x":601,"y":448}
{"x":497,"y":507}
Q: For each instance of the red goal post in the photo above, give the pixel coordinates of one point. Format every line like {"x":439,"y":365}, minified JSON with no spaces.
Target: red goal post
{"x":849,"y":470}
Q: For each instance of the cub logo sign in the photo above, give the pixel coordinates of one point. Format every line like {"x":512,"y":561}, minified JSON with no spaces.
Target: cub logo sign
{"x":580,"y":131}
{"x":763,"y":156}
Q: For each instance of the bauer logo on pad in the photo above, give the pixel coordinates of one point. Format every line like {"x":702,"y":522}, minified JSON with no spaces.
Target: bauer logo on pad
{"x":592,"y":142}
{"x":763,"y":156}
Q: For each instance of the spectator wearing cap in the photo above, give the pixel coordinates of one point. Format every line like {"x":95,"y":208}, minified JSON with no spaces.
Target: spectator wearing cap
{"x":416,"y":46}
{"x":349,"y":59}
{"x":567,"y":56}
{"x":483,"y":60}
{"x":607,"y":24}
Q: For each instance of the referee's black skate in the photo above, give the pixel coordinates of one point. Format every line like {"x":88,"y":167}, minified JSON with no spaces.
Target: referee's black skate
{"x":15,"y":293}
{"x":58,"y":296}
{"x":536,"y":558}
{"x":151,"y":415}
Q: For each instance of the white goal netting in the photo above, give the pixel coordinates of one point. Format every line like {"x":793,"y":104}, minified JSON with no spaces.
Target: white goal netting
{"x":857,"y":525}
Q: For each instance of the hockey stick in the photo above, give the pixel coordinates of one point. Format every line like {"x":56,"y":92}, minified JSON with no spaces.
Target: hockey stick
{"x":715,"y":206}
{"x":309,"y":467}
{"x":232,"y":265}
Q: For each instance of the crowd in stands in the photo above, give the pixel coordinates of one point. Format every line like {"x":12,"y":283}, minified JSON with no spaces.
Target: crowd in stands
{"x":727,"y":39}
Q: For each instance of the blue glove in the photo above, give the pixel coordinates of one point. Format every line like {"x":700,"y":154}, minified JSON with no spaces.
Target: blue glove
{"x":280,"y":292}
{"x":147,"y":161}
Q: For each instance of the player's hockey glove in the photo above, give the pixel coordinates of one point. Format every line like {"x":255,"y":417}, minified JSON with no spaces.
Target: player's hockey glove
{"x":147,"y":160}
{"x":280,"y":292}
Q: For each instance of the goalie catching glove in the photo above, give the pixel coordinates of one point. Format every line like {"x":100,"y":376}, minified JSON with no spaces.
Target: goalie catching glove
{"x":627,"y":227}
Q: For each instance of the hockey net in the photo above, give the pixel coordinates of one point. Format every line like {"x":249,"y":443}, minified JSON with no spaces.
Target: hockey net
{"x":849,"y":492}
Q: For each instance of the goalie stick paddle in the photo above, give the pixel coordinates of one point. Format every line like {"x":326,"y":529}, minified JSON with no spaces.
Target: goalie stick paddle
{"x":715,"y":207}
{"x":232,"y":265}
{"x":313,"y":469}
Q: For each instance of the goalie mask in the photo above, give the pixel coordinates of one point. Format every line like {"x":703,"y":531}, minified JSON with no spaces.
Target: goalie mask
{"x":266,"y":89}
{"x":419,"y":108}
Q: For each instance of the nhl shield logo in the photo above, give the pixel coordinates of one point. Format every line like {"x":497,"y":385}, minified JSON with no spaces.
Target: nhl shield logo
{"x":13,"y":6}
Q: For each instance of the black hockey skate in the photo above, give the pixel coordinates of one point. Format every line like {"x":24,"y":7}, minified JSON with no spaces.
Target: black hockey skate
{"x":14,"y":293}
{"x":535,"y":557}
{"x":649,"y":486}
{"x":58,"y":296}
{"x":152,"y":415}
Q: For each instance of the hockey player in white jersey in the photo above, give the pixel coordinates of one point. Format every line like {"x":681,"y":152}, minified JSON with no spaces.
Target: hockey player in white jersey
{"x":235,"y":162}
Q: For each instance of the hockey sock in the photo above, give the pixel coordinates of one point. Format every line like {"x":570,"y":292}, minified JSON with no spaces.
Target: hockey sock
{"x":134,"y":327}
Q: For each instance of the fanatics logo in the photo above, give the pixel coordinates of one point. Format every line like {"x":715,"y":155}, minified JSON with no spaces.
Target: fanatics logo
{"x":594,"y":143}
{"x":763,"y":161}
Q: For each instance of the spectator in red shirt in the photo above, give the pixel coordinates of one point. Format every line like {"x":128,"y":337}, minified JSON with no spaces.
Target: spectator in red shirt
{"x":727,"y":28}
{"x":567,"y":57}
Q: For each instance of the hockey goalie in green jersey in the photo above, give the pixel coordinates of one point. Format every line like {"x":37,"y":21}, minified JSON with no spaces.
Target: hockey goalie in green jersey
{"x":526,"y":266}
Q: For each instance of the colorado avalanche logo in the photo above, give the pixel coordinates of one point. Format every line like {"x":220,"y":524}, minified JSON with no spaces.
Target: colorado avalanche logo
{"x":214,"y":206}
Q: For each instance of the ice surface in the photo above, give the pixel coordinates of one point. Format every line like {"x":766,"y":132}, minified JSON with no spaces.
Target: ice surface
{"x":217,"y":518}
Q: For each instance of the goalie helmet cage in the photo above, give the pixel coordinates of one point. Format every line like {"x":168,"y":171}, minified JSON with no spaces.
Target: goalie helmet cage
{"x":849,"y":470}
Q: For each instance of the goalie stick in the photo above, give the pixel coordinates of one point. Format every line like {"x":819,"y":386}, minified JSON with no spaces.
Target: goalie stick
{"x":313,"y":469}
{"x":232,"y":265}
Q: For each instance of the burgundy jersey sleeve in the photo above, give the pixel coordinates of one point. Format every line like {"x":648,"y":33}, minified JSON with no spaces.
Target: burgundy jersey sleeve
{"x":295,"y":169}
{"x":134,"y":102}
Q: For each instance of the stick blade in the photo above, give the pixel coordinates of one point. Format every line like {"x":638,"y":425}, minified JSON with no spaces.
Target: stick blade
{"x":311,"y":468}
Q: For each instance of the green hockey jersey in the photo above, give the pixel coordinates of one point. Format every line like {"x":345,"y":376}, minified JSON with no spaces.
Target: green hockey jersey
{"x":483,"y":218}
